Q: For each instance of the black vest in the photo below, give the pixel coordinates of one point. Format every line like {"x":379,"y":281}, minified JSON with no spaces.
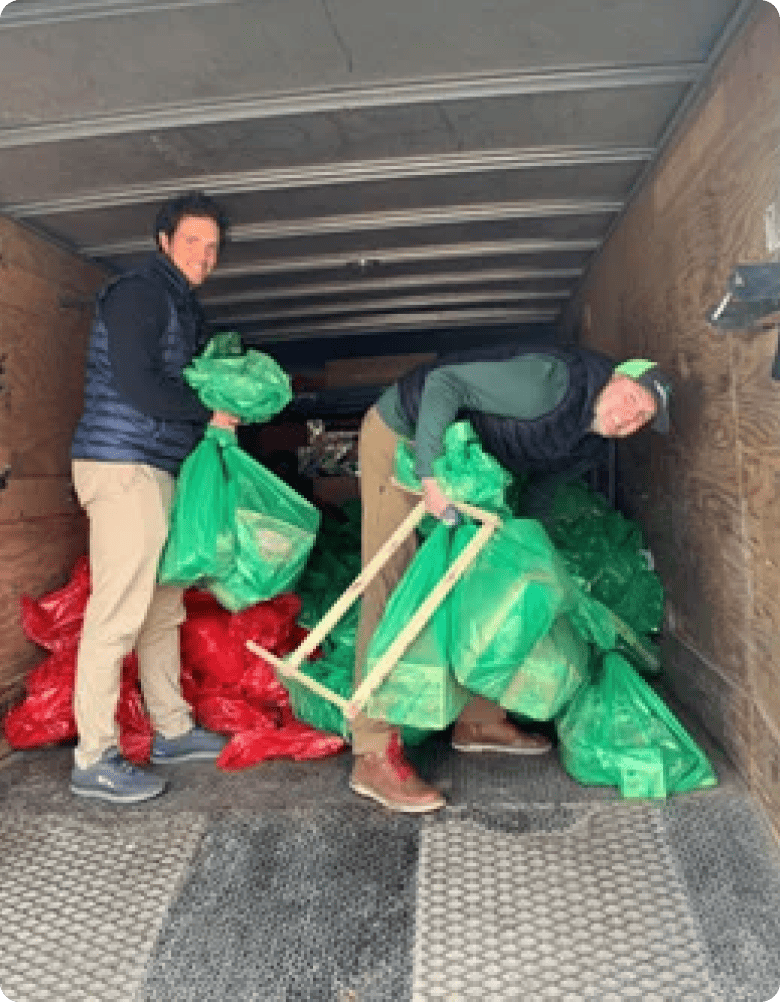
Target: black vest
{"x":111,"y":429}
{"x":557,"y":442}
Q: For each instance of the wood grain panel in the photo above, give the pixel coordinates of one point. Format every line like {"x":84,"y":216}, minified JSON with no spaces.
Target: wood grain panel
{"x":26,"y":498}
{"x":704,"y":434}
{"x":758,"y":396}
{"x":765,"y":765}
{"x":42,"y":348}
{"x":38,"y":556}
{"x":41,"y":296}
{"x":42,"y":390}
{"x":26,"y":251}
{"x":702,"y":688}
{"x":761,"y":490}
{"x":764,"y":644}
{"x":711,"y":501}
{"x":682,"y":172}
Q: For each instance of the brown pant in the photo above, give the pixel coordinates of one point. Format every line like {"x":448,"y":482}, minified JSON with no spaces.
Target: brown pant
{"x":384,"y":507}
{"x":128,"y":505}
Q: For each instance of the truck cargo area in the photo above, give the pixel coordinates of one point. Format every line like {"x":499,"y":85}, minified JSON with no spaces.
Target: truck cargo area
{"x":405,"y":179}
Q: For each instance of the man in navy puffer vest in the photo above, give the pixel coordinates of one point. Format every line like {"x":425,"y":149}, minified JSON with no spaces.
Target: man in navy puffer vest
{"x":140,"y":420}
{"x":543,"y":410}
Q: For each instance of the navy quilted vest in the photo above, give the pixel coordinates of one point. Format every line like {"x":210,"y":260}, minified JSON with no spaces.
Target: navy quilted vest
{"x":110,"y":428}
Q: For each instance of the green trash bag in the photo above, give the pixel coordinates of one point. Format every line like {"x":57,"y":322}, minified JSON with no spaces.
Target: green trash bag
{"x":332,"y":567}
{"x":464,"y":471}
{"x":521,"y":629}
{"x":618,"y":732}
{"x":421,"y":691}
{"x":236,"y":529}
{"x":335,"y":671}
{"x":249,"y":385}
{"x":606,"y":552}
{"x":552,"y":672}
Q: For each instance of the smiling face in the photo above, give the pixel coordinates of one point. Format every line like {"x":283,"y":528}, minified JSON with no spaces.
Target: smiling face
{"x":193,"y":248}
{"x":622,"y":408}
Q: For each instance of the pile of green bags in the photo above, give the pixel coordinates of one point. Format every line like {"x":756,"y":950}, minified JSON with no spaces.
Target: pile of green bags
{"x":515,"y":629}
{"x":605,"y":553}
{"x":543,"y":622}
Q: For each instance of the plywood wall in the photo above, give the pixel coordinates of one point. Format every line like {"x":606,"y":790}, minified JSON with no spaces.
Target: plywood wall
{"x":709,"y":497}
{"x":46,"y":297}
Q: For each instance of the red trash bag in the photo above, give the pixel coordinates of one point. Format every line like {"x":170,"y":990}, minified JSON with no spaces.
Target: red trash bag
{"x":294,"y":740}
{"x":135,"y":727}
{"x":271,"y":624}
{"x":231,"y":714}
{"x":46,"y":714}
{"x":260,"y":686}
{"x":57,"y":671}
{"x":211,"y":646}
{"x":54,"y":621}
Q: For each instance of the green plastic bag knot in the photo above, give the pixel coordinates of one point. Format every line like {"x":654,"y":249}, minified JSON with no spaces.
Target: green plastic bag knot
{"x":464,"y":470}
{"x":249,"y":385}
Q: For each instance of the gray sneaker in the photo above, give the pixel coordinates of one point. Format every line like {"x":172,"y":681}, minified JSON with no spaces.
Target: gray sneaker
{"x":114,"y":778}
{"x":197,"y":743}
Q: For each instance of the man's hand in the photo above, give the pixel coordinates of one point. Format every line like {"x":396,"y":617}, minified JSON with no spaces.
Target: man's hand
{"x":435,"y":500}
{"x":221,"y":419}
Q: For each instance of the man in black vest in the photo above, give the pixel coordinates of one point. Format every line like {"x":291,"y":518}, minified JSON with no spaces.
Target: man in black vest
{"x":538,"y":410}
{"x":140,"y":420}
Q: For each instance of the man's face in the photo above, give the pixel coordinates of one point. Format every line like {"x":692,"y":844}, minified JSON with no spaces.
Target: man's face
{"x":193,"y":248}
{"x":622,"y":408}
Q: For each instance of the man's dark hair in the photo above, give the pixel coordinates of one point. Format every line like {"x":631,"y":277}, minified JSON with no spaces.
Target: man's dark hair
{"x":194,"y":203}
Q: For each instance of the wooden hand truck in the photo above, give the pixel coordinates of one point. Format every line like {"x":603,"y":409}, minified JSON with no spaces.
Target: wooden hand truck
{"x":290,"y":665}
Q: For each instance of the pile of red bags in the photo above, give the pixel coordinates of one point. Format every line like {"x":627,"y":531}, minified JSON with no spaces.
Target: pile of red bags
{"x":230,"y":689}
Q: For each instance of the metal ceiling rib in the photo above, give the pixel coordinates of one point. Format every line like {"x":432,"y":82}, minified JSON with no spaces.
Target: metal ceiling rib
{"x":374,"y":222}
{"x":414,"y":93}
{"x":388,"y":169}
{"x":394,"y":320}
{"x":31,"y":12}
{"x":398,"y":302}
{"x":508,"y":280}
{"x":320,"y":175}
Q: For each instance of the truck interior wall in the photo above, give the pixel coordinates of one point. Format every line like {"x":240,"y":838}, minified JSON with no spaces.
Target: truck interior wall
{"x":46,"y":299}
{"x":709,"y":496}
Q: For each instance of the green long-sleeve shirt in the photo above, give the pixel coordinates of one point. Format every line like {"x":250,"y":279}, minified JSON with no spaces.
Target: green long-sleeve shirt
{"x":524,"y":387}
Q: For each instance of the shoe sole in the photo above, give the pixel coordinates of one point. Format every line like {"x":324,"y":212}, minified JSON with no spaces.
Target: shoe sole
{"x":501,"y":750}
{"x":136,"y":798}
{"x":366,"y":791}
{"x":189,"y":757}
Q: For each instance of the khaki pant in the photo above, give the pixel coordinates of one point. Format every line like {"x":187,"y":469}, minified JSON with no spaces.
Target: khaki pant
{"x":384,"y":507}
{"x":128,"y":505}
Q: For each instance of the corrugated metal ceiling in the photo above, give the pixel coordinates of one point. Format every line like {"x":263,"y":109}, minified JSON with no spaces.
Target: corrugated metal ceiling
{"x":394,"y":172}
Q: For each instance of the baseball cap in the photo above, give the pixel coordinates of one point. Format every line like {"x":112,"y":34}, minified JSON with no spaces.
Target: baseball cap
{"x":649,"y":375}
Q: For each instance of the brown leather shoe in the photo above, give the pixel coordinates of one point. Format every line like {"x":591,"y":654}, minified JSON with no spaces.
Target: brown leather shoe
{"x":389,"y":779}
{"x":498,"y":736}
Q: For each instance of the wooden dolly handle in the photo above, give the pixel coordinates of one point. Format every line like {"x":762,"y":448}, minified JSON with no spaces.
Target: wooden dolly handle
{"x":290,"y":665}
